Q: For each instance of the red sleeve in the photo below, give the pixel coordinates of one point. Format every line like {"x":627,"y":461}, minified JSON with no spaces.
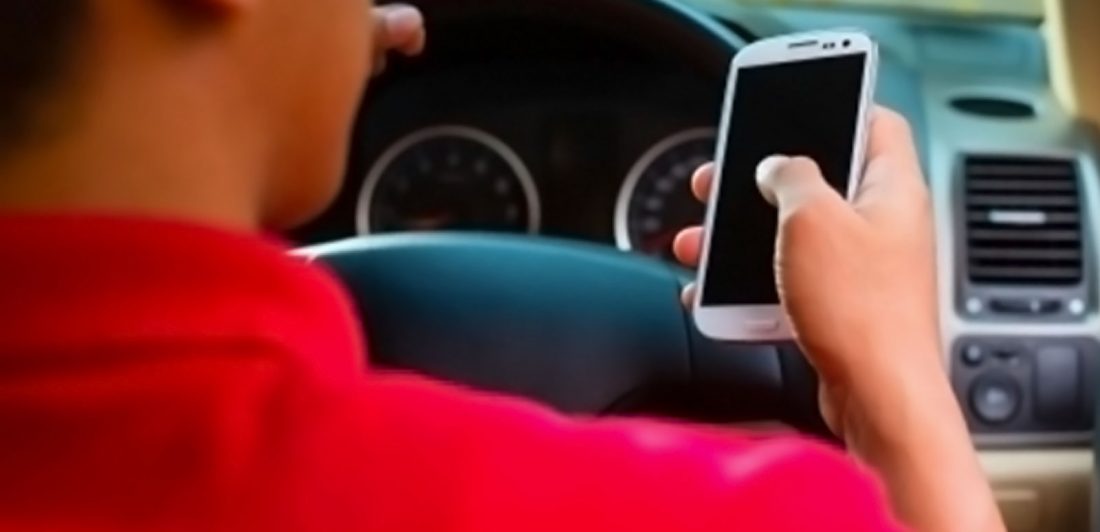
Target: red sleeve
{"x":447,"y":459}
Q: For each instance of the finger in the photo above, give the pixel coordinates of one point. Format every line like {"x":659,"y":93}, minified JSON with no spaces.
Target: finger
{"x":688,"y":246}
{"x":400,"y":27}
{"x":701,"y":182}
{"x":890,"y":136}
{"x":687,"y":296}
{"x":791,"y":183}
{"x":892,"y":178}
{"x":889,"y":140}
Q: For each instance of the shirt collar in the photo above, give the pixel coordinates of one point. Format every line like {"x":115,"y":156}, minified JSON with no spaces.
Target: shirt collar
{"x":73,"y":285}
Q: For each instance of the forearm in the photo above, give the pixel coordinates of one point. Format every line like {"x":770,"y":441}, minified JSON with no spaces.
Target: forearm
{"x":918,"y":442}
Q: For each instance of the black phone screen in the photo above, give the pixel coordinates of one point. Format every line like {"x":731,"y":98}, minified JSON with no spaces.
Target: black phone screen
{"x":806,"y":107}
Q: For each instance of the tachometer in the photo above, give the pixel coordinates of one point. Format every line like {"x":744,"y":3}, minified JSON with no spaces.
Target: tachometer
{"x":655,"y":201}
{"x":448,"y":177}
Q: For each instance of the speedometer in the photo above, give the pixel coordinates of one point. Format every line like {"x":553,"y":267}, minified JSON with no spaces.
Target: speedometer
{"x":448,"y":178}
{"x":656,"y":201}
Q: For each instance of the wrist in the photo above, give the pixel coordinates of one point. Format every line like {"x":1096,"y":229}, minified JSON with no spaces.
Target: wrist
{"x":905,"y":423}
{"x":906,"y":411}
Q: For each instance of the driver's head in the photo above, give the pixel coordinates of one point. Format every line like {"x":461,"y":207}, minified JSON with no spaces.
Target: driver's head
{"x":263,"y":90}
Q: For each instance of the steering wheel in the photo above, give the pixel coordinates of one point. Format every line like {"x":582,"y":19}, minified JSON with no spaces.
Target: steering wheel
{"x":583,"y":328}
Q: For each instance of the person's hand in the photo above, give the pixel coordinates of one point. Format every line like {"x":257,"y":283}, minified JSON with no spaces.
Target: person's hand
{"x":857,"y":281}
{"x":397,"y":28}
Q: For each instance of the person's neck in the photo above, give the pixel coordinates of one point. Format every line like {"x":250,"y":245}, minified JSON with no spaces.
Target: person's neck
{"x":130,"y":153}
{"x":58,"y":182}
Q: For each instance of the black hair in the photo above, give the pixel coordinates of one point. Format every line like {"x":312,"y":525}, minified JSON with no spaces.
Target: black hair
{"x":37,"y":41}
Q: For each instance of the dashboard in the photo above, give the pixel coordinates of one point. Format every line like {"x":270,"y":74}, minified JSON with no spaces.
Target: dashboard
{"x":576,"y":137}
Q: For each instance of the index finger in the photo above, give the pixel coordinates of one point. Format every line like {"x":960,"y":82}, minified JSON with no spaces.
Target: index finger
{"x":399,"y":27}
{"x":891,"y":154}
{"x":890,"y":136}
{"x":892,"y":179}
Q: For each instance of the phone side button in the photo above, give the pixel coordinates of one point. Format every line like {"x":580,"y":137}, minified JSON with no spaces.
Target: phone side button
{"x":762,"y":326}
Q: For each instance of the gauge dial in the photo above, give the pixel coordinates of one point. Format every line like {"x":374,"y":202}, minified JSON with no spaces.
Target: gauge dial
{"x":448,"y":178}
{"x":656,"y":202}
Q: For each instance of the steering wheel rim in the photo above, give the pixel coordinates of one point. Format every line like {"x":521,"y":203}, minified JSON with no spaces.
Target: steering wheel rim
{"x":696,"y":37}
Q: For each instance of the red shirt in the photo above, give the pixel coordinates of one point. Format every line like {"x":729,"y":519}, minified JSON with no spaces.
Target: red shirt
{"x":161,"y":376}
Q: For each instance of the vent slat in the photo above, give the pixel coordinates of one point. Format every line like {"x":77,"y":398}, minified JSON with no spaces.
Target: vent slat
{"x":1020,"y":170}
{"x":1005,"y":200}
{"x":1009,"y":272}
{"x":984,"y":218}
{"x":1008,"y":235}
{"x":1024,"y":254}
{"x":1001,"y":185}
{"x":1023,"y":220}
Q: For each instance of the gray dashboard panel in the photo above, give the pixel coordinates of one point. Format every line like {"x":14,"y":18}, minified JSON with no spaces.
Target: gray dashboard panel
{"x":1052,"y":132}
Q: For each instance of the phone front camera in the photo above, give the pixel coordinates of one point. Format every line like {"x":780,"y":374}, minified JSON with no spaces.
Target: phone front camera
{"x":847,"y":43}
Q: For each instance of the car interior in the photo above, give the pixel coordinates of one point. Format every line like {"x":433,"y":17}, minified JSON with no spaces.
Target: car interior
{"x":512,"y":196}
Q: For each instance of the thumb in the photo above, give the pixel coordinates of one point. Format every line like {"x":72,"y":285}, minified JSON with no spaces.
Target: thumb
{"x":790,"y":183}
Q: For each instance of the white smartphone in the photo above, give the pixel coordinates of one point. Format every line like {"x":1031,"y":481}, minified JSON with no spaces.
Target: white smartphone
{"x":807,"y":94}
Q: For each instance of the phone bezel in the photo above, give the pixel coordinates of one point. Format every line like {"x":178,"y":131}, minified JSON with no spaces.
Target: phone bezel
{"x":768,"y":323}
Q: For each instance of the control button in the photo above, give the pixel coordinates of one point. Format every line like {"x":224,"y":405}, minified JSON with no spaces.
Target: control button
{"x":995,"y":398}
{"x":1058,"y":386}
{"x":973,"y":355}
{"x":1076,"y":307}
{"x":1025,"y":306}
{"x":1007,"y":353}
{"x":974,"y":305}
{"x":762,"y":326}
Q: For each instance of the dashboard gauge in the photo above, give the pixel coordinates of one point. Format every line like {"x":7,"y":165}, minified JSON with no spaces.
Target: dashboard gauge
{"x":448,"y":178}
{"x":656,"y":201}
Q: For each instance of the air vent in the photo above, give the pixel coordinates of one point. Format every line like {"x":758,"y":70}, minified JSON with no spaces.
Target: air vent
{"x":1023,"y":221}
{"x":993,"y":107}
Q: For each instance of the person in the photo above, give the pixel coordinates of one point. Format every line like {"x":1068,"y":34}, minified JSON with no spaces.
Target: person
{"x":163,"y":366}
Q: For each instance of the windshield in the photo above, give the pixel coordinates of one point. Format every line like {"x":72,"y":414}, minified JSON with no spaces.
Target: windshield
{"x":1000,"y":8}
